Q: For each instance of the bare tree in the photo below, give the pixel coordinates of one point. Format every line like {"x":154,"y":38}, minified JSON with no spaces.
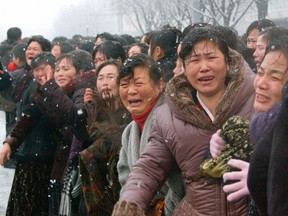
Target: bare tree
{"x":152,"y":14}
{"x":144,"y":15}
{"x":262,"y":7}
{"x":224,"y":12}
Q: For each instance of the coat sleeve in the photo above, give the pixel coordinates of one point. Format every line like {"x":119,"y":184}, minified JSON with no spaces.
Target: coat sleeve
{"x":150,"y":171}
{"x":20,"y":131}
{"x":61,"y":109}
{"x":258,"y":170}
{"x":9,"y":83}
{"x":278,"y":172}
{"x":5,"y":81}
{"x":122,"y":165}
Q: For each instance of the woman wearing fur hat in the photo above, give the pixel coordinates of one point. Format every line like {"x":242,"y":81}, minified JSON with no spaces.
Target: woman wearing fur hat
{"x":216,"y":85}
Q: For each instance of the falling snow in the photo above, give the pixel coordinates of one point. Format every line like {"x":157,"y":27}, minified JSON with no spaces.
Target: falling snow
{"x":80,"y":112}
{"x":6,"y":175}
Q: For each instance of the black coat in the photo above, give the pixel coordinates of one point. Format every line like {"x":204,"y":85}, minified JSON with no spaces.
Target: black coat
{"x":268,"y":173}
{"x":32,"y":137}
{"x":65,"y":110}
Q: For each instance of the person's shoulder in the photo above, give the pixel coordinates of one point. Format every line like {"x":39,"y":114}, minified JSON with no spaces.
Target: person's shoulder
{"x":162,"y":113}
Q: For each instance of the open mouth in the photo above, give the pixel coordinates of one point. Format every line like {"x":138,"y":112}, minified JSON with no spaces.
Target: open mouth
{"x":134,"y":103}
{"x":261,"y":98}
{"x":106,"y":91}
{"x":206,"y":79}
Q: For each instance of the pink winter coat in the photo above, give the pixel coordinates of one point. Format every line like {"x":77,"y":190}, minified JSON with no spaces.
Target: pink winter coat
{"x":180,"y":137}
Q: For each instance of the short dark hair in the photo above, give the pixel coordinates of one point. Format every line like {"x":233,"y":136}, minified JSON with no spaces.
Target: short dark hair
{"x":105,"y":36}
{"x":59,"y":39}
{"x":65,"y":47}
{"x":273,"y":33}
{"x":143,"y":47}
{"x":19,"y":52}
{"x":278,"y":44}
{"x":111,"y":49}
{"x":208,"y":33}
{"x":84,"y":58}
{"x":140,"y":60}
{"x":260,"y":25}
{"x":44,"y":43}
{"x":129,"y":38}
{"x":43,"y":58}
{"x":167,"y":40}
{"x":231,"y":36}
{"x":14,"y":33}
{"x":188,"y":28}
{"x":72,"y":59}
{"x":109,"y":62}
{"x":86,"y":45}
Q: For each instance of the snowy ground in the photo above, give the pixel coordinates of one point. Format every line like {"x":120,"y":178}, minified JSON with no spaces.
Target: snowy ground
{"x":6,"y":175}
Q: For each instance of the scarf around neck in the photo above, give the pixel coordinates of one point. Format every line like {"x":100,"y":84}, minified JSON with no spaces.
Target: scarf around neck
{"x":140,"y":119}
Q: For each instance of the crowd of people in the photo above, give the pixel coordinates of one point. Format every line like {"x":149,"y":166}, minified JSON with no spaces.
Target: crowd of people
{"x":122,"y":125}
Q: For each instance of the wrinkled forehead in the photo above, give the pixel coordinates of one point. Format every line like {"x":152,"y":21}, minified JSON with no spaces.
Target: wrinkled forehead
{"x":276,"y":58}
{"x":204,"y":47}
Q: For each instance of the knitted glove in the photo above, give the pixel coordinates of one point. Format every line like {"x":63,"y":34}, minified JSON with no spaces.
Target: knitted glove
{"x":237,"y":189}
{"x":124,"y":208}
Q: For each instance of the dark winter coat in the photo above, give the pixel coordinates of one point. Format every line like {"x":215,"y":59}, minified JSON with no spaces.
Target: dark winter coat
{"x":65,"y":108}
{"x":180,"y":137}
{"x":268,"y":175}
{"x":98,"y":162}
{"x":33,"y":137}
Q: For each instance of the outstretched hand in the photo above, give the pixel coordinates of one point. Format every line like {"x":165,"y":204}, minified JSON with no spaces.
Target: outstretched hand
{"x":5,"y":153}
{"x":238,"y":189}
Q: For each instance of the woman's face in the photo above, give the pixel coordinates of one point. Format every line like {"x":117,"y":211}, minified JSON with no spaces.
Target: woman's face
{"x":106,"y":81}
{"x":65,"y":73}
{"x":99,"y":41}
{"x":56,"y":51}
{"x":32,"y":50}
{"x":260,"y":50}
{"x":16,"y":60}
{"x":206,"y":69}
{"x":138,"y":93}
{"x":134,"y":50}
{"x":270,"y":80}
{"x":252,"y":38}
{"x":99,"y":59}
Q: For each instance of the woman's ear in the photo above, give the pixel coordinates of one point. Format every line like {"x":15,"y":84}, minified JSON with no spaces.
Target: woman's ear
{"x":158,"y":53}
{"x":160,"y":85}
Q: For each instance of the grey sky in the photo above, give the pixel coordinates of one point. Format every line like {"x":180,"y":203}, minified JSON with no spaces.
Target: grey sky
{"x":32,"y":16}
